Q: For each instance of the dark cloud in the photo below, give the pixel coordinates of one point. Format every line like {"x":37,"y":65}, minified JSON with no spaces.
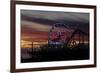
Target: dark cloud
{"x":51,"y":15}
{"x":72,"y":19}
{"x":41,"y":21}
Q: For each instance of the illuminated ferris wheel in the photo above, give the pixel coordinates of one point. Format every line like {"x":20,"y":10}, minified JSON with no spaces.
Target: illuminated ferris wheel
{"x":57,"y":34}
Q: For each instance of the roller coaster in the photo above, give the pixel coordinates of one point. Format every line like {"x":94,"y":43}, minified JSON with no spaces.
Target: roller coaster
{"x":53,"y":51}
{"x":58,"y":41}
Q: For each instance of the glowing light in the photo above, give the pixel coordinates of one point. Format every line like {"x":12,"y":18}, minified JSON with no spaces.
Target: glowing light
{"x":34,"y":44}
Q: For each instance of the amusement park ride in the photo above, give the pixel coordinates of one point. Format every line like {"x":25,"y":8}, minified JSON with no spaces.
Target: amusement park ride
{"x":62,"y":35}
{"x":62,"y":45}
{"x":68,"y":40}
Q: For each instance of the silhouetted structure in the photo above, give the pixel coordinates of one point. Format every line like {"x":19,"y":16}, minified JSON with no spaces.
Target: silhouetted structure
{"x":58,"y":49}
{"x":58,"y":41}
{"x":80,"y":35}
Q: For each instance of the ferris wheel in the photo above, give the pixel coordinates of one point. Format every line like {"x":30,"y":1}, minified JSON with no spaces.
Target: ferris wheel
{"x":59,"y":35}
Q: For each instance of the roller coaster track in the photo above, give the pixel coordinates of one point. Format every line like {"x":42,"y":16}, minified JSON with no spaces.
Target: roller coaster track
{"x":71,"y":33}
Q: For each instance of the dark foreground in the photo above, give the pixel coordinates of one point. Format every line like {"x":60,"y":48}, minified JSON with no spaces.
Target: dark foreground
{"x":58,"y":54}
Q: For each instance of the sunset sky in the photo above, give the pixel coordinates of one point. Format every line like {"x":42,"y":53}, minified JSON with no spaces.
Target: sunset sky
{"x":35,"y":25}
